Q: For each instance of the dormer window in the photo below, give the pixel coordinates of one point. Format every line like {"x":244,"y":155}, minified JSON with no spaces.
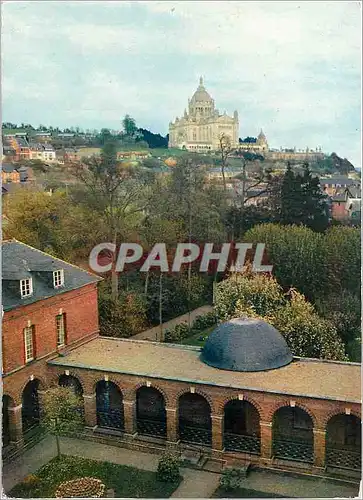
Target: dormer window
{"x":58,"y":278}
{"x":26,"y":287}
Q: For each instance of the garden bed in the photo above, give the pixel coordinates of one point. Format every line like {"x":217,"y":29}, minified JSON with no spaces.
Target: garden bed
{"x":127,"y":482}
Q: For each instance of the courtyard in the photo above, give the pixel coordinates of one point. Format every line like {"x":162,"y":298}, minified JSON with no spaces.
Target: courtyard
{"x":132,"y":474}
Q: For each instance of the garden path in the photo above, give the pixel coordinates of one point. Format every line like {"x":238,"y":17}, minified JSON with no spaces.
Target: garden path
{"x":153,"y":334}
{"x":196,"y":483}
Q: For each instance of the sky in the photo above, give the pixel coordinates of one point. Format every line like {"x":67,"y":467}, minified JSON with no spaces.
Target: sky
{"x":290,"y":68}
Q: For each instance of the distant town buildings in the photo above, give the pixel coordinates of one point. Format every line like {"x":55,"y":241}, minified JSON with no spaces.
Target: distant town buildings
{"x":200,"y":128}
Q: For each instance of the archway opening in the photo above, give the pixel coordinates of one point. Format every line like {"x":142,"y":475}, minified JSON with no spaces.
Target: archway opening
{"x":241,"y":427}
{"x":343,"y":442}
{"x":195,"y":423}
{"x":109,"y":405}
{"x":150,"y":412}
{"x":7,"y":404}
{"x":292,"y":435}
{"x":75,"y":385}
{"x":30,"y":412}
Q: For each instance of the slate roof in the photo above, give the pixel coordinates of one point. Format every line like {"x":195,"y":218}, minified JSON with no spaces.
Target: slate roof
{"x":246,"y":345}
{"x":332,"y":380}
{"x":20,"y":261}
{"x":343,"y":181}
{"x":8,"y":168}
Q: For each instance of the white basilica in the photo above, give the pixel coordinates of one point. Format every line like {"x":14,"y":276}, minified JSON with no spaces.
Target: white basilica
{"x":201,"y":127}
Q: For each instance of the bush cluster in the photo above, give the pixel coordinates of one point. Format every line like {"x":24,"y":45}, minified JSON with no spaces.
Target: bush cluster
{"x":168,"y":468}
{"x":181,"y":331}
{"x":231,"y":479}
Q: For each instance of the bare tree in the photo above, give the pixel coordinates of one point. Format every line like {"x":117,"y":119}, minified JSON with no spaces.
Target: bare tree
{"x":225,"y":150}
{"x":115,"y":191}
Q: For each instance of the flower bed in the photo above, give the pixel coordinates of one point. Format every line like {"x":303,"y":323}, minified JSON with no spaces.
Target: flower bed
{"x":84,"y":487}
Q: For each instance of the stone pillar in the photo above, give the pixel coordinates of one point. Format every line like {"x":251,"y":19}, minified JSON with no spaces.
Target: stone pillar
{"x":319,"y":447}
{"x":90,"y":409}
{"x":266,"y":440}
{"x":217,"y":432}
{"x":130,"y":416}
{"x":16,"y":424}
{"x":172,"y":424}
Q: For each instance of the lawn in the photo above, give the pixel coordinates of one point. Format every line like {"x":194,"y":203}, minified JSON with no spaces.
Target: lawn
{"x":127,"y":482}
{"x":244,"y":493}
{"x":198,"y":339}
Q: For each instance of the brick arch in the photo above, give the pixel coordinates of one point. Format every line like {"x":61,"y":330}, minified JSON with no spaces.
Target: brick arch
{"x":250,"y":400}
{"x":200,"y":393}
{"x":43,"y":386}
{"x":13,"y":400}
{"x":334,"y":413}
{"x":110,"y":379}
{"x":286,"y":402}
{"x":74,"y":375}
{"x":133,"y":391}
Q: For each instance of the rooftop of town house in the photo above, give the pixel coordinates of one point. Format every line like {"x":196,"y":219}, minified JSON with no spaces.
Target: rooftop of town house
{"x":21,"y":261}
{"x":302,"y":377}
{"x":342,"y":180}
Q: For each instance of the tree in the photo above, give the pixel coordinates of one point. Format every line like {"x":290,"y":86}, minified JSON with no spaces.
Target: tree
{"x":302,"y":201}
{"x":258,"y":293}
{"x":61,"y":412}
{"x":259,"y":184}
{"x":257,"y":296}
{"x":55,"y":224}
{"x":105,"y":136}
{"x":129,"y":126}
{"x":298,"y":256}
{"x":344,"y":310}
{"x":153,"y":140}
{"x":315,"y":208}
{"x":343,"y":256}
{"x":114,"y":190}
{"x":124,"y":317}
{"x":225,"y":150}
{"x":291,"y":198}
{"x":306,"y":333}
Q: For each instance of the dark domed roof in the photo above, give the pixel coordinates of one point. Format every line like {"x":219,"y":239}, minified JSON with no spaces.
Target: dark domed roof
{"x":246,"y":345}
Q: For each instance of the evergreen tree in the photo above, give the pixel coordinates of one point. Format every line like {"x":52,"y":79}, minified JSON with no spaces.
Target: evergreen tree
{"x":291,"y":197}
{"x":315,"y":207}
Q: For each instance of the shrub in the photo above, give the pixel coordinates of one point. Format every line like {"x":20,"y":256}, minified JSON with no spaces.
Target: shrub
{"x":231,"y":479}
{"x":177,"y":333}
{"x":168,"y":468}
{"x":30,"y":481}
{"x":203,"y":322}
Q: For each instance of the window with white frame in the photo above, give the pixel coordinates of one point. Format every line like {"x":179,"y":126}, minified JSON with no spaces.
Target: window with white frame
{"x":61,"y":331}
{"x":26,"y":287}
{"x":58,"y":278}
{"x":29,"y":343}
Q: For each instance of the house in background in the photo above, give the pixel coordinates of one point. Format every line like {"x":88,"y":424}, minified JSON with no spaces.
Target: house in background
{"x":9,"y":173}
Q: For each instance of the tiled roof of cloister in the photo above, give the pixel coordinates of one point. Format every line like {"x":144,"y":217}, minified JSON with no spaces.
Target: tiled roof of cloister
{"x":303,"y":377}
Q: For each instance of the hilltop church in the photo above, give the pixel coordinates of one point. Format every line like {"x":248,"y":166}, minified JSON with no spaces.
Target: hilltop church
{"x":202,"y":125}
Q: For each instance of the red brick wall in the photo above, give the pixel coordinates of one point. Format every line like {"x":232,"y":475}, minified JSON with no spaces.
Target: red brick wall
{"x":338,"y":210}
{"x":81,"y":310}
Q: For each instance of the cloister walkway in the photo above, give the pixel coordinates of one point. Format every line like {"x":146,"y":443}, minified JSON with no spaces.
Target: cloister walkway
{"x":196,"y":484}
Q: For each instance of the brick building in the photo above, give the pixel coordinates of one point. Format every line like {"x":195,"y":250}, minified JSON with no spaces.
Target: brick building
{"x":242,"y":398}
{"x":49,"y":306}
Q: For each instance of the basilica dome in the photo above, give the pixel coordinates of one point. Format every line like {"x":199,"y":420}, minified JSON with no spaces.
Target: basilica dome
{"x":201,"y":95}
{"x":246,"y":345}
